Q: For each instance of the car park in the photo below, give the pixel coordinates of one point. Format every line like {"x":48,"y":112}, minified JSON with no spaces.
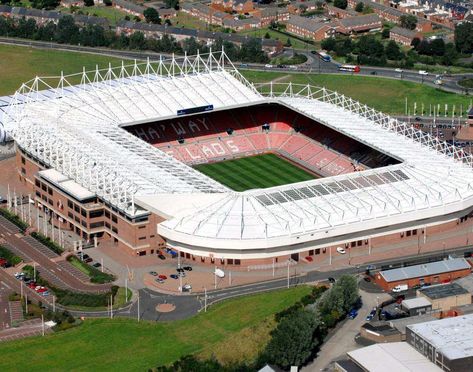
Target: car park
{"x":341,"y":250}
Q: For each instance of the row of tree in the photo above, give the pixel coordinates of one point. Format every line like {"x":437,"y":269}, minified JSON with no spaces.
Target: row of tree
{"x":299,"y":332}
{"x":66,"y":31}
{"x":368,"y":50}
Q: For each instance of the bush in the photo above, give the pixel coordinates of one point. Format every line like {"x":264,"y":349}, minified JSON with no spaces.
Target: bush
{"x":13,"y":218}
{"x":47,"y":242}
{"x":12,"y":259}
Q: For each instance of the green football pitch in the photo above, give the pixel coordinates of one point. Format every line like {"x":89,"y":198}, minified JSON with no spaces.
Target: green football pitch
{"x":253,"y":172}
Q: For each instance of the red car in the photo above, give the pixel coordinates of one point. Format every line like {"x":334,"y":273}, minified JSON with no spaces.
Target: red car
{"x":309,"y":259}
{"x":32,"y":285}
{"x":163,"y":277}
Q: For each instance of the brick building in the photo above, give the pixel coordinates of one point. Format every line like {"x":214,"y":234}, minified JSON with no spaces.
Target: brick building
{"x":358,"y":24}
{"x":237,"y":6}
{"x":403,"y":35}
{"x":433,"y":272}
{"x":443,"y":297}
{"x":309,"y":28}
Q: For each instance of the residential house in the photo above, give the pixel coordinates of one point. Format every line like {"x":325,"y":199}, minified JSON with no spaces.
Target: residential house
{"x":309,"y":28}
{"x":403,"y":36}
{"x":359,"y":24}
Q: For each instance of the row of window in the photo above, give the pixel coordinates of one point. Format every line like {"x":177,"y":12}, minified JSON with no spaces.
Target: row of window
{"x":42,"y":186}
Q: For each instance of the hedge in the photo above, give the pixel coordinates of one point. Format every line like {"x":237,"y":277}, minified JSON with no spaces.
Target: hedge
{"x":47,"y":242}
{"x":13,"y":218}
{"x":95,"y":275}
{"x":12,"y":259}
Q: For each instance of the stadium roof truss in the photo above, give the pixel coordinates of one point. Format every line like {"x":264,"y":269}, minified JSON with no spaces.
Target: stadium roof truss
{"x":76,"y":130}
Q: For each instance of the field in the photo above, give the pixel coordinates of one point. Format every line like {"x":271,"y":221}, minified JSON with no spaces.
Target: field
{"x":253,"y":172}
{"x":241,"y":325}
{"x":261,"y":32}
{"x":387,"y":95}
{"x":112,"y":14}
{"x":20,"y":64}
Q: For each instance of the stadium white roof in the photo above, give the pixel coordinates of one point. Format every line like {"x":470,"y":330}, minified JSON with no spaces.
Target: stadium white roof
{"x":75,"y":129}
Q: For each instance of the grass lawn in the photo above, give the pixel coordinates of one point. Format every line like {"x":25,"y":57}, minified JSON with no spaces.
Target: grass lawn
{"x":126,"y":345}
{"x":387,"y":95}
{"x":184,"y":20}
{"x":259,"y":171}
{"x":112,"y":14}
{"x":20,"y":64}
{"x":295,"y":43}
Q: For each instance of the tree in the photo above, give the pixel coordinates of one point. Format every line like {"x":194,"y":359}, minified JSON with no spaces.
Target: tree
{"x":5,"y":2}
{"x":89,"y":2}
{"x":293,"y":340}
{"x":359,"y":7}
{"x":26,"y":28}
{"x":437,"y":47}
{"x":349,"y":291}
{"x":464,"y":37}
{"x":408,"y":21}
{"x":393,"y":52}
{"x":191,"y":46}
{"x":329,"y":44}
{"x":415,"y":42}
{"x":172,"y":4}
{"x":107,"y":2}
{"x":45,"y":4}
{"x":342,"y":4}
{"x":152,"y":16}
{"x":450,"y":54}
{"x":267,"y":36}
{"x":385,"y":33}
{"x":137,"y":41}
{"x":288,"y":43}
{"x":67,"y":31}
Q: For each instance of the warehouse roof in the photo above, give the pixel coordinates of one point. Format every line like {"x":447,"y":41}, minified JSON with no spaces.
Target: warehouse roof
{"x":453,"y":337}
{"x":415,"y":303}
{"x":443,"y":290}
{"x":431,"y":268}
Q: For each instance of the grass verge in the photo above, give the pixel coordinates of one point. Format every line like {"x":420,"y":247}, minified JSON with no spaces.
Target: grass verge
{"x":125,"y":344}
{"x":95,"y":275}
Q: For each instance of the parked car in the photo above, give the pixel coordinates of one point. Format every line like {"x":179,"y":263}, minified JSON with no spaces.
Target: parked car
{"x":159,"y":280}
{"x":400,"y":70}
{"x":268,"y":66}
{"x":309,"y":259}
{"x":88,"y":260}
{"x":97,"y":265}
{"x":423,"y":72}
{"x":341,"y":250}
{"x":187,"y":268}
{"x":154,"y":273}
{"x":174,"y":276}
{"x":400,"y":288}
{"x":85,"y":256}
{"x":161,"y":256}
{"x":163,"y":277}
{"x":331,"y":280}
{"x":353,"y":313}
{"x":371,"y":315}
{"x":186,"y":287}
{"x":180,"y":270}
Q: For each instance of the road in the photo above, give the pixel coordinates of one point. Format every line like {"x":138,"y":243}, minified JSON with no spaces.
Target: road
{"x":313,"y":65}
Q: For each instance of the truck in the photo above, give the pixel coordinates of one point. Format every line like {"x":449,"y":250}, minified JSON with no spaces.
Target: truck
{"x":400,"y":288}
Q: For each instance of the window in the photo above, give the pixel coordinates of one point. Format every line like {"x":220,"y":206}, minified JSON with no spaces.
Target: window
{"x":408,"y":233}
{"x":50,"y":191}
{"x":70,"y":205}
{"x":359,"y":243}
{"x":83,"y":212}
{"x":107,"y":225}
{"x":114,"y":218}
{"x":43,"y":187}
{"x":237,"y":262}
{"x":96,"y":224}
{"x":95,"y":214}
{"x":37,"y":183}
{"x":50,"y":202}
{"x":77,"y":219}
{"x":69,"y":214}
{"x":142,"y":238}
{"x":142,"y":253}
{"x":141,"y":227}
{"x":317,"y":251}
{"x":83,"y":223}
{"x":76,"y":208}
{"x":23,"y":160}
{"x":114,"y":229}
{"x":107,"y":214}
{"x":353,"y":244}
{"x":414,"y":232}
{"x":38,"y":194}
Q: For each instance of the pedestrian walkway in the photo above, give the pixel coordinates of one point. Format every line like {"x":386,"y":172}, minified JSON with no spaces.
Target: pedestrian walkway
{"x":16,"y":311}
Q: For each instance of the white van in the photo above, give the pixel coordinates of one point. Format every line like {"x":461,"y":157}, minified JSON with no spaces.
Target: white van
{"x":423,"y":72}
{"x":400,"y":288}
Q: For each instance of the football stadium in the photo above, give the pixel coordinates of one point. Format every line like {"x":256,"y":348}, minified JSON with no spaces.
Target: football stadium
{"x":185,"y":155}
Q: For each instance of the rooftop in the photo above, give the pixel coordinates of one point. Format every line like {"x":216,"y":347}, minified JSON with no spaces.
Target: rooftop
{"x":453,"y":337}
{"x":443,"y":290}
{"x":403,"y":32}
{"x":418,"y":271}
{"x":414,"y":303}
{"x":392,"y":357}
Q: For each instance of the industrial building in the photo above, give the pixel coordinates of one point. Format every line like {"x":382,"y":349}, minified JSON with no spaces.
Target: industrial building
{"x":448,"y":342}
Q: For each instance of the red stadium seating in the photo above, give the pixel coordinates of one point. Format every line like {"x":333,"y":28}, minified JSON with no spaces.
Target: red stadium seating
{"x":205,"y":138}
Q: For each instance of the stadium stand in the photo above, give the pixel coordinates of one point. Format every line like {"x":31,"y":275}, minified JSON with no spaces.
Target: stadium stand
{"x":248,"y":131}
